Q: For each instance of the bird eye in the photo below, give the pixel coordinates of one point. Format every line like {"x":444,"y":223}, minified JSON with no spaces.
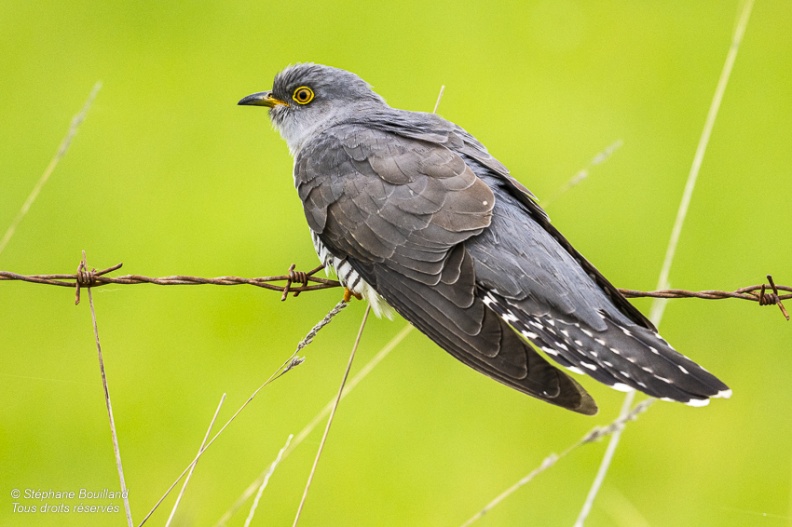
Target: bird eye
{"x":303,"y":95}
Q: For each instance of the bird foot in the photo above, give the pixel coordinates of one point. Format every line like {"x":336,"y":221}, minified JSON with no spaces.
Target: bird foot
{"x":348,"y":294}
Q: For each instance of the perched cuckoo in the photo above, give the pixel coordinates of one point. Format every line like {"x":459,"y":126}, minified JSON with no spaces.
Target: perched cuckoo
{"x":411,"y":211}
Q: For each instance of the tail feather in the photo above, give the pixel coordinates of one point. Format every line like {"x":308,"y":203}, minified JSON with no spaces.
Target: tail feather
{"x":624,"y":356}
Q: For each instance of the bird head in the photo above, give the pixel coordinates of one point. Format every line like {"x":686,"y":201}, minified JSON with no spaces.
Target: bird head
{"x":307,"y":97}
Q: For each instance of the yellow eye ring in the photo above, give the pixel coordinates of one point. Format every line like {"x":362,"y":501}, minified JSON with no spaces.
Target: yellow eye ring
{"x":303,"y":95}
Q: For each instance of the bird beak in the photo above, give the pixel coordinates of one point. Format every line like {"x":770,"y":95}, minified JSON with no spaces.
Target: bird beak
{"x":263,"y":98}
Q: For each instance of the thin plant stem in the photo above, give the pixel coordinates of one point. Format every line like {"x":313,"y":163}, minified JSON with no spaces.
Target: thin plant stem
{"x":364,"y":371}
{"x":658,"y":306}
{"x":698,"y":159}
{"x":113,"y":432}
{"x":264,"y":483}
{"x":547,"y":462}
{"x":323,"y":413}
{"x":332,"y":415}
{"x":583,"y":173}
{"x":62,"y":149}
{"x":287,"y":365}
{"x":192,"y":467}
{"x":593,"y":435}
{"x":439,"y":98}
{"x":613,"y":444}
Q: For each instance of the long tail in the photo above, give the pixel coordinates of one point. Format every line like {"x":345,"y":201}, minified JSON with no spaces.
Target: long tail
{"x":622,"y":355}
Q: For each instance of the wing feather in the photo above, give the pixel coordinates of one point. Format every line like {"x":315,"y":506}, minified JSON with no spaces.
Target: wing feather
{"x":401,"y":220}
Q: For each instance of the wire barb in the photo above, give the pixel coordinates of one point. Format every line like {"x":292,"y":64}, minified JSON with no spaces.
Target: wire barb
{"x":86,"y":278}
{"x":768,"y":299}
{"x":300,"y":277}
{"x":299,"y":281}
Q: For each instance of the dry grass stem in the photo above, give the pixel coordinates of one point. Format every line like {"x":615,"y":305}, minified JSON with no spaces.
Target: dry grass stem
{"x":62,"y":149}
{"x":592,"y":436}
{"x":319,"y":417}
{"x":195,"y":461}
{"x":548,"y":462}
{"x":332,"y":415}
{"x":583,"y":173}
{"x":607,"y":459}
{"x":109,"y":405}
{"x":287,"y":365}
{"x":265,"y":481}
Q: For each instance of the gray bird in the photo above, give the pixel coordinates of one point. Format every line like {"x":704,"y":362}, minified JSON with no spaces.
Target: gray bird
{"x":411,"y":211}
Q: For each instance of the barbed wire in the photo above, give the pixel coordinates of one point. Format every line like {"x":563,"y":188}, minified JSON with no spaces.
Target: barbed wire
{"x":297,"y":282}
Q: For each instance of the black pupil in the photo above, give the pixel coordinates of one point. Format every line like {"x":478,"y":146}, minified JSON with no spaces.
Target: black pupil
{"x":302,"y":95}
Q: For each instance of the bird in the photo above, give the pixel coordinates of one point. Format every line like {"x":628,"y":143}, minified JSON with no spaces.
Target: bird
{"x":412,"y":213}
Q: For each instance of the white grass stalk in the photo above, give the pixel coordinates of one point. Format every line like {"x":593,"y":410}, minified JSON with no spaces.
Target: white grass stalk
{"x":658,"y":305}
{"x":62,"y":149}
{"x":195,"y":462}
{"x":265,"y":481}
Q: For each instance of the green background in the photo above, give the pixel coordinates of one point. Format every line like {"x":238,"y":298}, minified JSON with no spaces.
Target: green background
{"x":169,"y":176}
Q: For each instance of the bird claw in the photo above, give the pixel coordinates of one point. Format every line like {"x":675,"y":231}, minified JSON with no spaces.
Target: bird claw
{"x":348,"y":294}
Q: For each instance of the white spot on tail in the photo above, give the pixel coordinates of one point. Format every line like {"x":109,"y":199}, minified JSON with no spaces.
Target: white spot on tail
{"x":550,"y":351}
{"x":509,"y":317}
{"x":724,"y":393}
{"x":622,"y":387}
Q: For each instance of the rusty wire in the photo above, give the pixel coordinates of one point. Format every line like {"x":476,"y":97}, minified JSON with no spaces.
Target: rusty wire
{"x":297,"y":282}
{"x":756,"y":293}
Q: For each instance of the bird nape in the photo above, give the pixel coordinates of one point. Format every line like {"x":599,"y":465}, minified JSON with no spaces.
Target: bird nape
{"x":411,"y":211}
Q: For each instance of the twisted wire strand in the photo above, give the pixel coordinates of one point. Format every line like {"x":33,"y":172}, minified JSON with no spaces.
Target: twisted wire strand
{"x":297,"y":282}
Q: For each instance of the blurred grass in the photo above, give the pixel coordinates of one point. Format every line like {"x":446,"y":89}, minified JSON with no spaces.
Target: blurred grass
{"x":169,"y":176}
